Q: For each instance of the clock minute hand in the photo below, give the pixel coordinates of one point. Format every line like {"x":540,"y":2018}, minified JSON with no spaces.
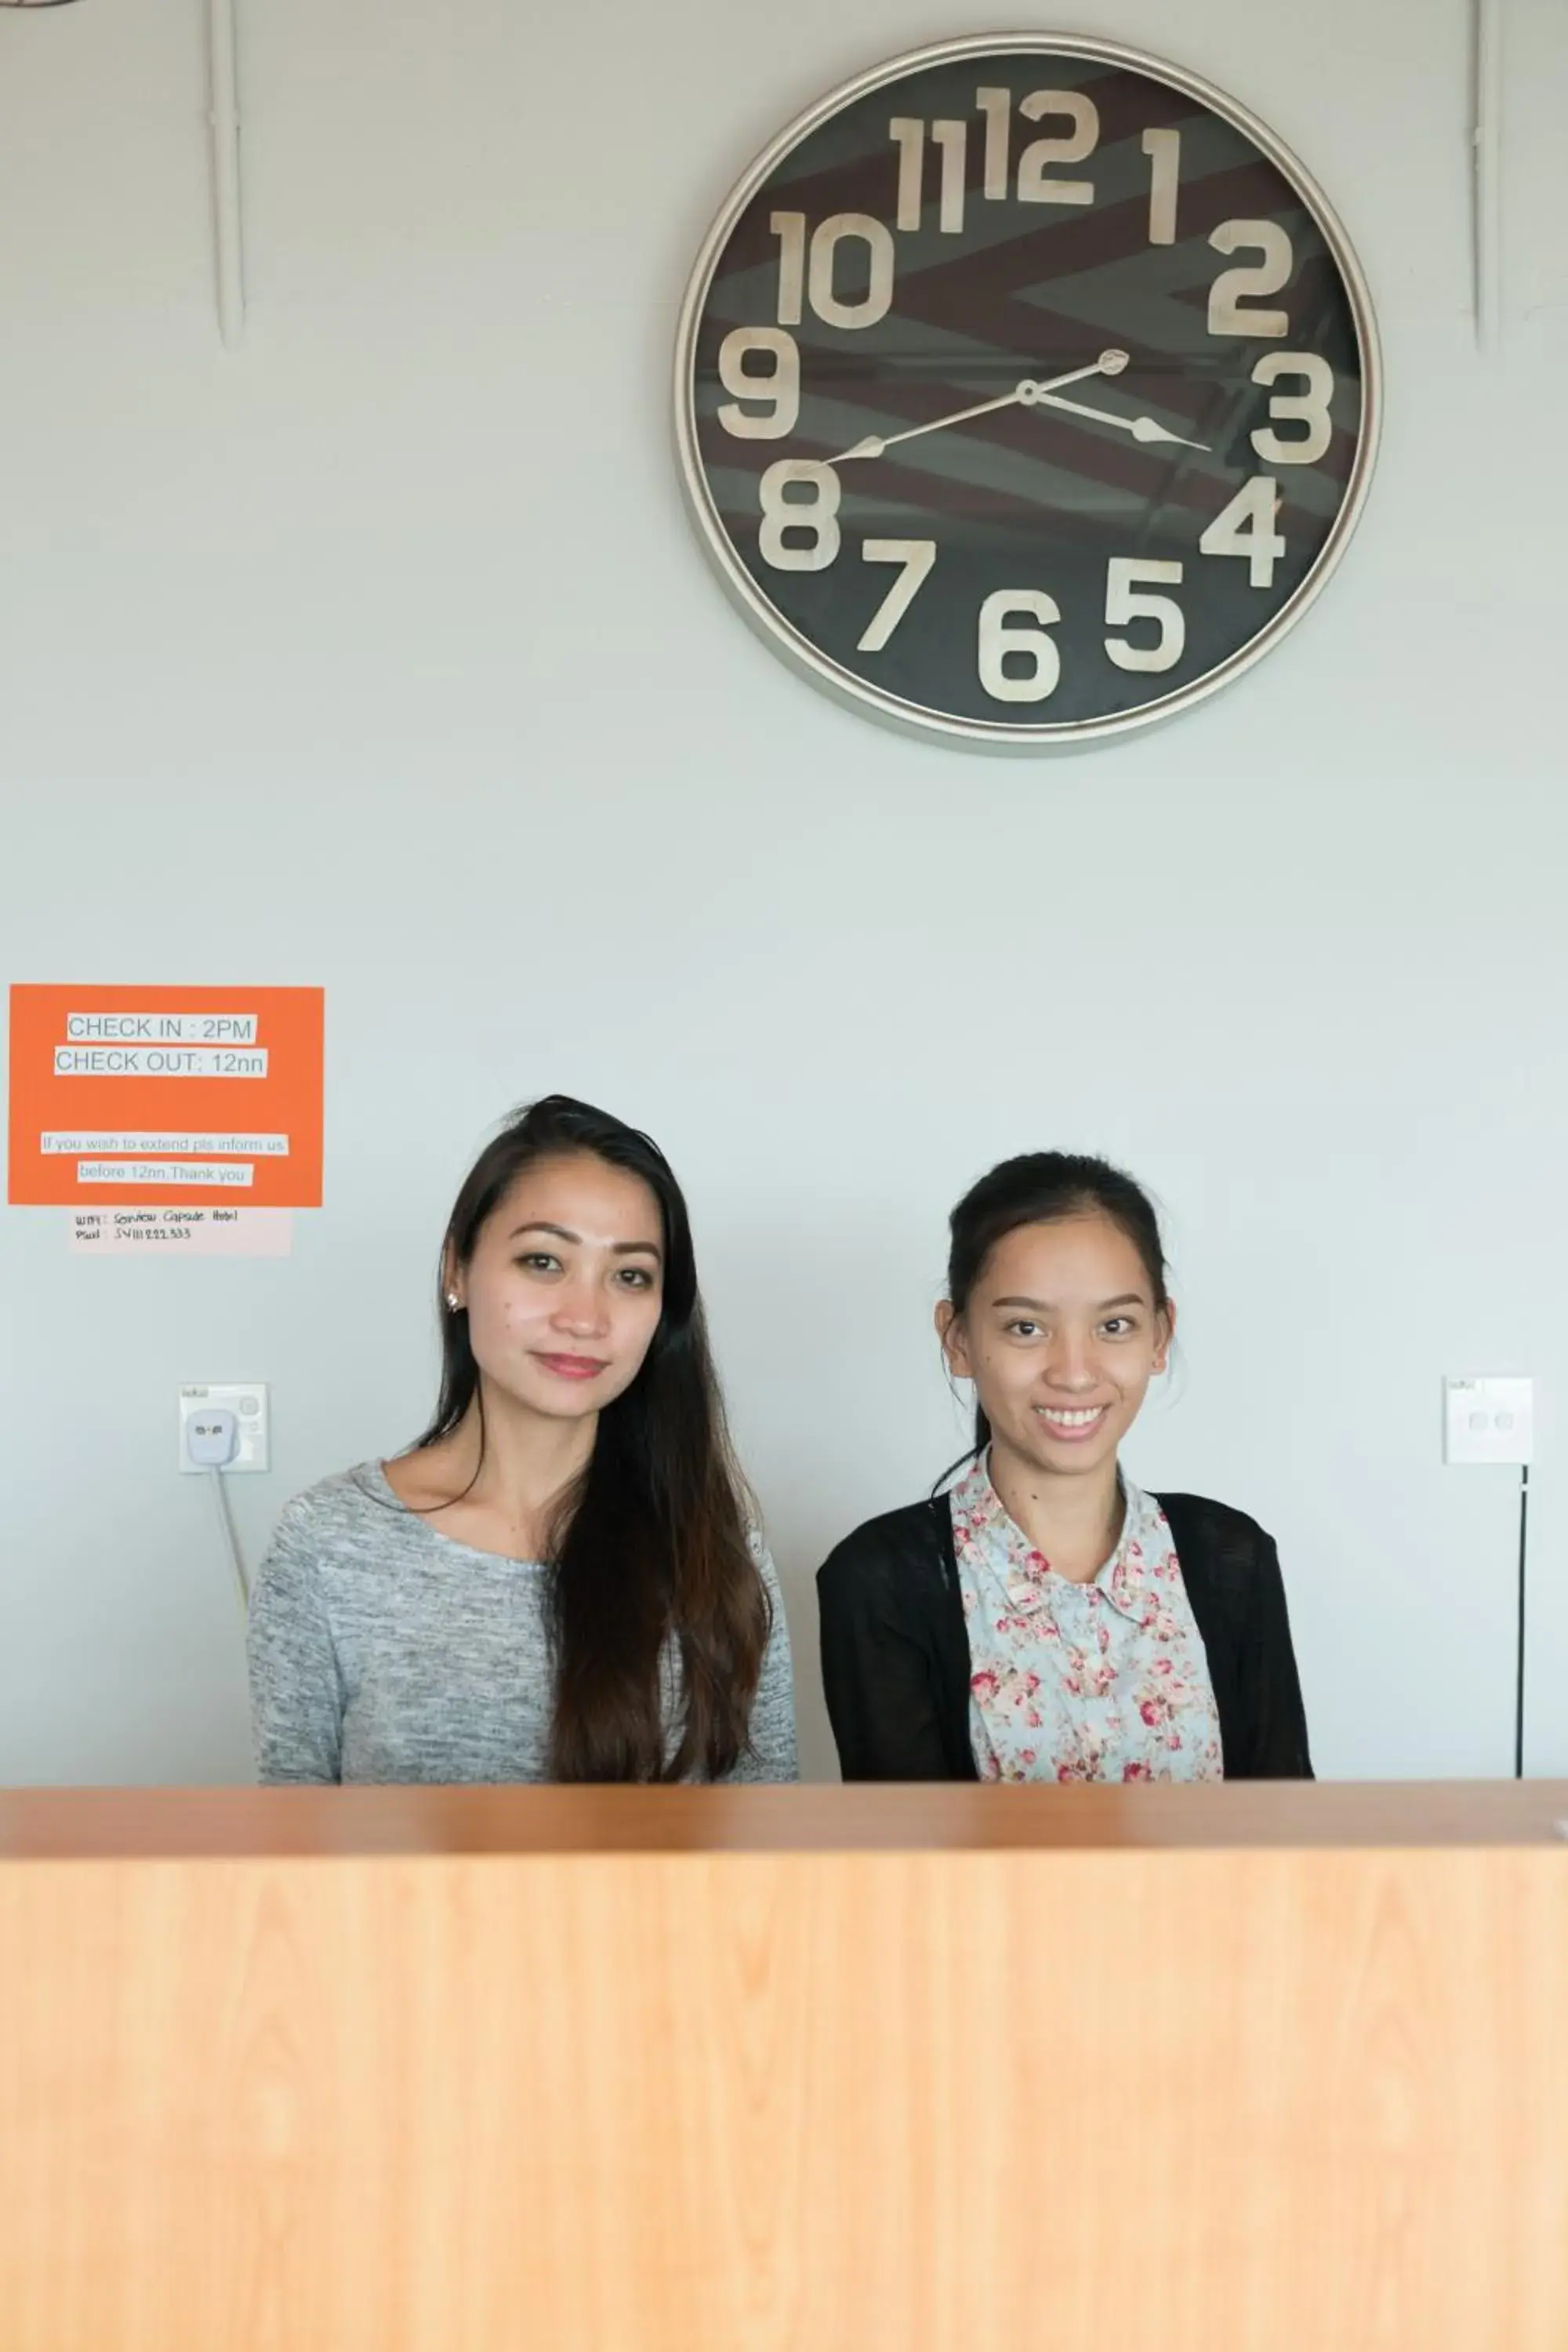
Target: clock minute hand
{"x":1142,"y":429}
{"x":876,"y":445}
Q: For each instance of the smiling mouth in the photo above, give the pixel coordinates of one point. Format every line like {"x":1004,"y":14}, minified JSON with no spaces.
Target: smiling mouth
{"x":573,"y":1367}
{"x":1076,"y":1421}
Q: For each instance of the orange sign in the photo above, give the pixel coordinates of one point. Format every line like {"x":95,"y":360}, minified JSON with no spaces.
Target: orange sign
{"x":123,"y":1096}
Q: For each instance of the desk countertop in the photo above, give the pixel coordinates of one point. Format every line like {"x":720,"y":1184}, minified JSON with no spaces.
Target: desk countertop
{"x":132,"y":1824}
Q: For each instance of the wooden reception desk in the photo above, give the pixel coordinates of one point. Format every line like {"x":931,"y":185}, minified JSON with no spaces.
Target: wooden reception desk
{"x":1243,"y":2070}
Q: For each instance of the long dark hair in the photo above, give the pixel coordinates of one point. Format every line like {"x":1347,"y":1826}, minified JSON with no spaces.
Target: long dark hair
{"x":1041,"y":1188}
{"x":651,"y":1540}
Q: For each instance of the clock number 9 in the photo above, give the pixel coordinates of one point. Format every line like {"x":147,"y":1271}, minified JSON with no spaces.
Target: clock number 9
{"x":779,"y":388}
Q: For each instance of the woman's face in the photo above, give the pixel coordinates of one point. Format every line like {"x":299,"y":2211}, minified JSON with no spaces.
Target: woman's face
{"x":565,"y":1287}
{"x":1060,"y":1337}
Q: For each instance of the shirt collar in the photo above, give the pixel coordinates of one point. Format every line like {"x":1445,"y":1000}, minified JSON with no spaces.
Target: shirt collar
{"x":981,"y":1517}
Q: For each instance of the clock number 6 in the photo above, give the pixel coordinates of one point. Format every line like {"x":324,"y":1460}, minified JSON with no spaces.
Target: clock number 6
{"x":1126,"y":577}
{"x":998,"y":640}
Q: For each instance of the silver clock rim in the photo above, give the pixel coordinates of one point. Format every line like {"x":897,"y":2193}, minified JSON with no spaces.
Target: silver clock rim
{"x":875,"y":702}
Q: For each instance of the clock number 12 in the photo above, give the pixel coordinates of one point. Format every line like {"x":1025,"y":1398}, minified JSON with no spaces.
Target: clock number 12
{"x":1035,"y":185}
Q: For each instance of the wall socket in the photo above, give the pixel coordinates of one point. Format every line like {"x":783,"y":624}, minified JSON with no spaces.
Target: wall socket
{"x":247,"y":1399}
{"x":1489,"y":1420}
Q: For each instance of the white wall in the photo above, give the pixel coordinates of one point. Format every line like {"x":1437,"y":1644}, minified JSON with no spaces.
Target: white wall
{"x":381,"y":656}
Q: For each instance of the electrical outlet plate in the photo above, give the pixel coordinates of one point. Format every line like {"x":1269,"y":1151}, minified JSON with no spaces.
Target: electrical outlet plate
{"x":247,"y":1402}
{"x":1489,"y":1420}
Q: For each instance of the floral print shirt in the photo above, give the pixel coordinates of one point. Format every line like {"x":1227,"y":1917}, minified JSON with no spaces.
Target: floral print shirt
{"x":1104,"y":1680}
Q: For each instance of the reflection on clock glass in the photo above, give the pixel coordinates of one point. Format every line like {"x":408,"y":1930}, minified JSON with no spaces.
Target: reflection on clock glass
{"x":1027,"y":390}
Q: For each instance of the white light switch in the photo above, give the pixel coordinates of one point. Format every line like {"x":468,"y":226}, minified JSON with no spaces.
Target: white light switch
{"x":1489,"y":1420}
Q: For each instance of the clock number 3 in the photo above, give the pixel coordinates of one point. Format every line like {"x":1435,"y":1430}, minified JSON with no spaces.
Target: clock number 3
{"x":1309,"y":407}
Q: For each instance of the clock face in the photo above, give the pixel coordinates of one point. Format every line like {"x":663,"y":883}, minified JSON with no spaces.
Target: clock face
{"x":1026,"y":391}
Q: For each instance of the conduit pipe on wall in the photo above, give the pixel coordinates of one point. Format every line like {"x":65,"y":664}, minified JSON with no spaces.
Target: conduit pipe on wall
{"x":223,"y":116}
{"x":1487,"y":141}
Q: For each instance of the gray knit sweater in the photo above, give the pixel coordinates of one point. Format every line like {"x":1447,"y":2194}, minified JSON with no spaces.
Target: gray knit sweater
{"x":381,"y":1650}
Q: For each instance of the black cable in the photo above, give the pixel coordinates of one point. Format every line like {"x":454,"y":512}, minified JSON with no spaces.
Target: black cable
{"x":1519,"y":1689}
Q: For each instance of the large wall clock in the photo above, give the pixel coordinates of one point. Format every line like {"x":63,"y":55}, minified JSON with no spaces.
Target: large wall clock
{"x":1027,"y":390}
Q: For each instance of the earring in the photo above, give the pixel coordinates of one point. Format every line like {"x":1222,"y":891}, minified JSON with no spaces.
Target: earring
{"x":454,"y":1303}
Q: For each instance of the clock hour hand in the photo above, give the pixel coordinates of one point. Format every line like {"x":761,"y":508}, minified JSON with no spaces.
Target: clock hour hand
{"x":877,"y":445}
{"x":1142,"y":429}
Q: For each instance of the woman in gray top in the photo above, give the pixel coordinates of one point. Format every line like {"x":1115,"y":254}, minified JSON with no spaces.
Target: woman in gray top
{"x":560,"y":1582}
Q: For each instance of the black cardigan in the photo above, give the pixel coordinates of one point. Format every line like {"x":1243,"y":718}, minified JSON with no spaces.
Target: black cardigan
{"x":895,"y":1649}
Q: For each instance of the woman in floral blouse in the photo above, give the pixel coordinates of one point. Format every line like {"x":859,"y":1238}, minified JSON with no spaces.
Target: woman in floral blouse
{"x":1044,"y":1619}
